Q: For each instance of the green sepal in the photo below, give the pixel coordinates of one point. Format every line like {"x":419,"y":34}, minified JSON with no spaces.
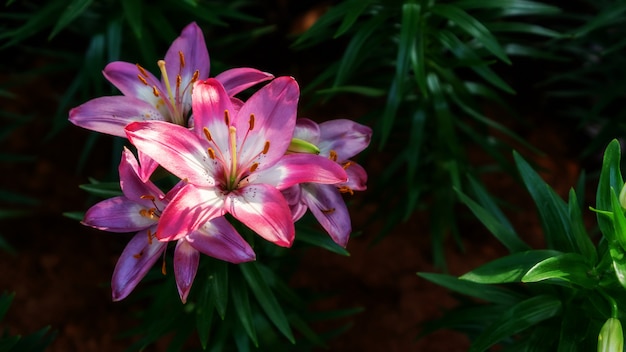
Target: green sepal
{"x":298,"y":145}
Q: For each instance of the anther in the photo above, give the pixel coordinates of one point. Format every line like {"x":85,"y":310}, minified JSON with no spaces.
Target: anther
{"x":182,"y":59}
{"x":211,"y":153}
{"x":155,"y":91}
{"x":207,"y":134}
{"x":195,"y":76}
{"x":346,"y":165}
{"x":346,"y":189}
{"x":179,"y":81}
{"x":333,"y":155}
{"x":251,"y":122}
{"x":143,"y":80}
{"x":328,"y":211}
{"x":147,"y":196}
{"x":138,"y":255}
{"x":253,"y":167}
{"x":142,"y":70}
{"x":149,"y":236}
{"x":266,"y":147}
{"x":226,"y":118}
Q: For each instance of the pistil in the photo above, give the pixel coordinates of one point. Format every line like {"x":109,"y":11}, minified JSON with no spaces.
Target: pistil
{"x":176,"y":114}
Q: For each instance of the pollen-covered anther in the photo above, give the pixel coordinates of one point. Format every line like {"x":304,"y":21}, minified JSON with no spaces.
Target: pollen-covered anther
{"x":143,"y":80}
{"x":346,"y":189}
{"x":142,"y":70}
{"x":332,"y":155}
{"x":195,"y":76}
{"x":346,"y":165}
{"x":266,"y":147}
{"x":254,"y":166}
{"x":138,"y":255}
{"x":181,"y":56}
{"x":328,"y":211}
{"x":207,"y":134}
{"x":147,"y":196}
{"x":179,"y":81}
{"x":226,"y":117}
{"x":211,"y":153}
{"x":251,"y":122}
{"x":155,"y":91}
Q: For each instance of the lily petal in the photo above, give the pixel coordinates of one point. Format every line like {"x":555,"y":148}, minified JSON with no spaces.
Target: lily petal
{"x":123,"y":75}
{"x":263,"y":209}
{"x":307,"y":130}
{"x":236,"y":80}
{"x":133,"y":186}
{"x":111,"y":114}
{"x":329,"y":208}
{"x":357,"y":177}
{"x":219,"y":239}
{"x":175,"y":148}
{"x":292,"y":169}
{"x":117,"y":214}
{"x":346,"y":137}
{"x":188,"y":210}
{"x":274,"y":108}
{"x":210,"y":101}
{"x":196,"y":56}
{"x":293,"y":195}
{"x":136,"y":260}
{"x":186,"y":260}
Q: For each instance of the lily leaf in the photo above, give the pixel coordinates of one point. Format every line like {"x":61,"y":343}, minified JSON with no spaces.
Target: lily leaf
{"x":610,"y":178}
{"x":569,"y":267}
{"x":488,"y":293}
{"x":511,"y":268}
{"x":241,"y":302}
{"x":219,"y":288}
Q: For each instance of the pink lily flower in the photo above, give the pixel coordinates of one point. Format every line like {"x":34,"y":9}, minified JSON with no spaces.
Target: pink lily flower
{"x":169,"y":99}
{"x":337,"y":140}
{"x":234,"y":160}
{"x":139,"y":210}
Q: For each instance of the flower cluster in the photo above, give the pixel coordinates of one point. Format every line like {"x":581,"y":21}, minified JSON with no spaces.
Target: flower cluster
{"x":251,"y":159}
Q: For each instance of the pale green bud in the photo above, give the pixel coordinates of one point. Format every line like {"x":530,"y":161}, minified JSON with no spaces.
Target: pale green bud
{"x":611,"y":338}
{"x":301,"y":146}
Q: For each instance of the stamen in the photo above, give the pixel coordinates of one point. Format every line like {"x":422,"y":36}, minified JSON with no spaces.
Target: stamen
{"x":226,"y":117}
{"x":163,"y":271}
{"x":155,"y":91}
{"x":251,"y":122}
{"x":138,"y":255}
{"x":328,"y":211}
{"x":166,"y":80}
{"x":232,"y":136}
{"x":182,"y":59}
{"x":142,"y":70}
{"x":149,"y":236}
{"x":143,"y":80}
{"x":266,"y":147}
{"x":333,"y":155}
{"x":207,"y":134}
{"x":195,"y":76}
{"x":254,"y":166}
{"x":346,"y":165}
{"x":147,"y":196}
{"x":179,"y":81}
{"x":346,"y":189}
{"x":211,"y":153}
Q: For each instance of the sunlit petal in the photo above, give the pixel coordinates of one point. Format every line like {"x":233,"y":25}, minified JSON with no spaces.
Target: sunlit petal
{"x":219,"y":239}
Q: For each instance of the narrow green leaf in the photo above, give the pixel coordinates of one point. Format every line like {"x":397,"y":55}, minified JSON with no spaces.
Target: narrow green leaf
{"x":266,"y":298}
{"x":526,"y":28}
{"x":473,"y":27}
{"x":518,"y":318}
{"x":619,"y":220}
{"x":412,"y":155}
{"x":488,"y":293}
{"x":618,"y":255}
{"x":133,"y":13}
{"x":511,"y":7}
{"x":71,"y":11}
{"x":219,"y":287}
{"x":75,"y":215}
{"x":204,"y":313}
{"x":510,"y":268}
{"x":357,"y":7}
{"x":553,"y":211}
{"x":570,"y":267}
{"x":321,"y":240}
{"x":361,"y":90}
{"x":103,"y":189}
{"x":610,"y":178}
{"x":579,"y":233}
{"x":241,"y":301}
{"x":502,"y":232}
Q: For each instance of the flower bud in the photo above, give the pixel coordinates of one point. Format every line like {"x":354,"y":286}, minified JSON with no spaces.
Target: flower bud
{"x":301,"y":146}
{"x":611,"y":338}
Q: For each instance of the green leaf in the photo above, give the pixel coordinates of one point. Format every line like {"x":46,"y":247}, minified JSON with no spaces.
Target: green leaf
{"x":553,"y":211}
{"x":75,"y":215}
{"x":357,"y":7}
{"x":510,"y":268}
{"x":518,"y":318}
{"x":204,"y":313}
{"x":321,"y":240}
{"x":569,"y":267}
{"x":507,"y":236}
{"x":266,"y":298}
{"x":579,"y":233}
{"x":619,"y":220}
{"x":71,"y":11}
{"x":610,"y":178}
{"x":241,"y":301}
{"x":219,"y":287}
{"x":133,"y":13}
{"x":473,"y":27}
{"x":510,"y":7}
{"x":102,"y":189}
{"x":488,"y":293}
{"x":361,"y":90}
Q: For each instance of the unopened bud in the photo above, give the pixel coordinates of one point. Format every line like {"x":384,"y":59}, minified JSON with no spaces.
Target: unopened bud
{"x":622,"y":197}
{"x":611,"y":338}
{"x":301,"y":146}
